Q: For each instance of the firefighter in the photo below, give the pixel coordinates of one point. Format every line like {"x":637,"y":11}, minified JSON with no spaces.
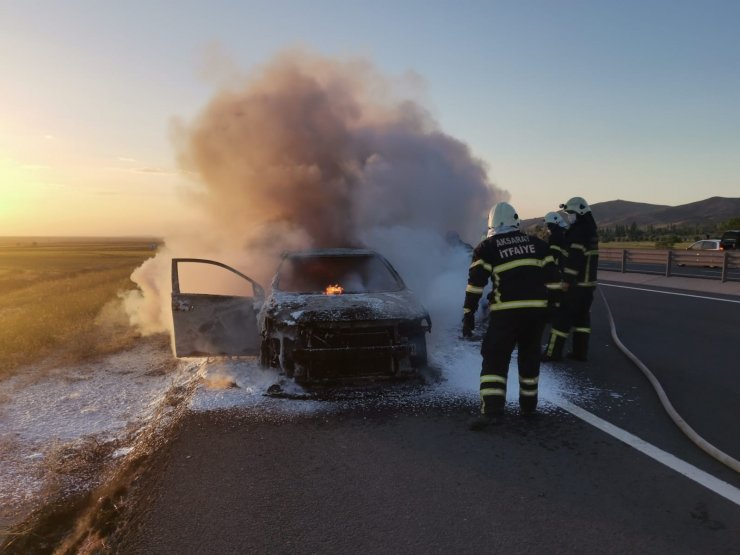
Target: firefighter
{"x":556,"y":227}
{"x":522,"y":271}
{"x":579,"y":274}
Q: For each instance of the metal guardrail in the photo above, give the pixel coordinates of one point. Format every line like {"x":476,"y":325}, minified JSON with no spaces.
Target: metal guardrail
{"x":672,"y":261}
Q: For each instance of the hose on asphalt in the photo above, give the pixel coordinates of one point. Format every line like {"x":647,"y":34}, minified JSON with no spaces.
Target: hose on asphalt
{"x":704,"y":445}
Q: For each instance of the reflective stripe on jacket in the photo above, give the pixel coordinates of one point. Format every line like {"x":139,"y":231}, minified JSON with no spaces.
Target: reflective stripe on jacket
{"x":581,"y":266}
{"x":521,"y":269}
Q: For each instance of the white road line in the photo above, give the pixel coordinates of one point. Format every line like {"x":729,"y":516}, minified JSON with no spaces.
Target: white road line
{"x":601,"y":284}
{"x":705,"y":479}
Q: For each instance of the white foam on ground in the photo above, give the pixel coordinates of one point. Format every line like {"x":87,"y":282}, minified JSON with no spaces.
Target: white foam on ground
{"x":458,"y":361}
{"x":106,"y":400}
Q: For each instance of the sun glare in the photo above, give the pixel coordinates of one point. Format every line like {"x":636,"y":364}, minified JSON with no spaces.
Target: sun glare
{"x":20,"y":187}
{"x":12,"y":183}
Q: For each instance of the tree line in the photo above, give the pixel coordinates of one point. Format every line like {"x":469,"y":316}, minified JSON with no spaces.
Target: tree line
{"x":666,"y":236}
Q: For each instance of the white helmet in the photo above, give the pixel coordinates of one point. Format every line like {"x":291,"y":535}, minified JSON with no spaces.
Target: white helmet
{"x":576,"y":205}
{"x":555,"y":219}
{"x":503,"y":214}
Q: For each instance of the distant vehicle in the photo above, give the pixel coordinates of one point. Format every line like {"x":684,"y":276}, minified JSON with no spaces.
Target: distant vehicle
{"x":706,"y":245}
{"x":706,"y":254}
{"x":729,"y":239}
{"x":333,"y":315}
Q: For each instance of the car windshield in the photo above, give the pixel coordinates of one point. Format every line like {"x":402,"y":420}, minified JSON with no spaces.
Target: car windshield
{"x":353,"y":274}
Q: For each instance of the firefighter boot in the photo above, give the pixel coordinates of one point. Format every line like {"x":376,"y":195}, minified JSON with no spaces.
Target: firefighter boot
{"x":580,"y":346}
{"x":482,"y":421}
{"x":528,"y":406}
{"x":528,"y":389}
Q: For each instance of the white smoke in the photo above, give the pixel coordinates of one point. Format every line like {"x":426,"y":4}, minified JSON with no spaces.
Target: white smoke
{"x":309,"y":151}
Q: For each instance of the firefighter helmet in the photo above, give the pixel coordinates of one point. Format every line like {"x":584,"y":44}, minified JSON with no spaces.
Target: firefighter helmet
{"x":576,"y":205}
{"x":555,"y":219}
{"x":503,"y":214}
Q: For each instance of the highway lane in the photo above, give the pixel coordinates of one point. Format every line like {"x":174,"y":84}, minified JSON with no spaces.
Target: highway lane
{"x":381,"y":478}
{"x":690,"y":343}
{"x":622,"y":395}
{"x":417,"y":483}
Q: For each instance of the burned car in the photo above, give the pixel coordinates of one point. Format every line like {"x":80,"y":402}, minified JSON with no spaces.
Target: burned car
{"x":332,"y":315}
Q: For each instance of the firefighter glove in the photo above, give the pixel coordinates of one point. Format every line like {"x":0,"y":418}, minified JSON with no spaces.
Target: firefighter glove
{"x":468,"y":324}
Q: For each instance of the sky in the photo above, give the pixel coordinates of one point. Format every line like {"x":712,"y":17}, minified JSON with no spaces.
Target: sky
{"x":632,"y":100}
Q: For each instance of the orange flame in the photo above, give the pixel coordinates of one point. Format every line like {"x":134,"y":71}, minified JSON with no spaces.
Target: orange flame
{"x":334,"y":290}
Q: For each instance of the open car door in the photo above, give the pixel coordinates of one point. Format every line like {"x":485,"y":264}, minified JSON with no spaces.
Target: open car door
{"x":215,"y":324}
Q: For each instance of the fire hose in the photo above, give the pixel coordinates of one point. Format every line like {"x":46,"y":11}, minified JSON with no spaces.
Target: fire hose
{"x":704,"y":445}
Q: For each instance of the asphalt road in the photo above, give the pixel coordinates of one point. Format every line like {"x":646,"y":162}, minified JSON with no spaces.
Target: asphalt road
{"x":691,"y":345}
{"x":410,"y":478}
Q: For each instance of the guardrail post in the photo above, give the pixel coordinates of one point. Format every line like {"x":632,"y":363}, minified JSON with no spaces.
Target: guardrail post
{"x":624,"y":260}
{"x":725,"y":256}
{"x":668,"y":262}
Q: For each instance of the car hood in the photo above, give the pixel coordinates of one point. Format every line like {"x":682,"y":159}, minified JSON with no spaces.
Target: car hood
{"x":291,"y":308}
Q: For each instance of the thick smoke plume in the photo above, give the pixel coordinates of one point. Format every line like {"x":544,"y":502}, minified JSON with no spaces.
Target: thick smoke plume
{"x":313,"y":152}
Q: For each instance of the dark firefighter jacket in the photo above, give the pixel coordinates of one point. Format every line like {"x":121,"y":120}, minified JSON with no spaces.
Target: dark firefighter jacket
{"x":521,"y":270}
{"x":583,"y":252}
{"x":558,"y":245}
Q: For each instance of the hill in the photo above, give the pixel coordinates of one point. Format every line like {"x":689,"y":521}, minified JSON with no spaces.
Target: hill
{"x":617,"y":212}
{"x":705,"y":213}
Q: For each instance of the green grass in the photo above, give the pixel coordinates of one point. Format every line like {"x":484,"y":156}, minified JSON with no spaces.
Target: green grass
{"x":59,"y":299}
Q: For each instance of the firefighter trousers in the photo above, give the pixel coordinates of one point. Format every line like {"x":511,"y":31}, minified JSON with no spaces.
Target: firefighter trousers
{"x":507,"y":329}
{"x":574,"y":314}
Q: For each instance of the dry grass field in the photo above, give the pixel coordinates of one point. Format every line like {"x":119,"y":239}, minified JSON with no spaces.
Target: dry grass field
{"x":59,"y":298}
